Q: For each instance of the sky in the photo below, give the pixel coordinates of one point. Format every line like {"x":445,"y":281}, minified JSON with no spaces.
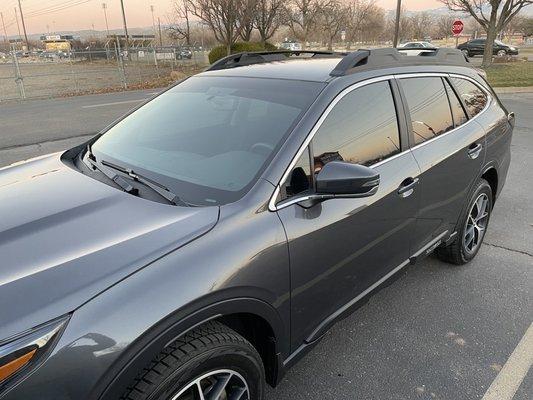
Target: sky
{"x":42,"y":16}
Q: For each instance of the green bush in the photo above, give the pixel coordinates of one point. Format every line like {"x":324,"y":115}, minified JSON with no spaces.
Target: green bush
{"x":221,"y":51}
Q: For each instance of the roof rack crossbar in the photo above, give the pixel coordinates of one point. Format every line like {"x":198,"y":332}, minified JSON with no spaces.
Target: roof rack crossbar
{"x":394,"y":57}
{"x":257,"y":57}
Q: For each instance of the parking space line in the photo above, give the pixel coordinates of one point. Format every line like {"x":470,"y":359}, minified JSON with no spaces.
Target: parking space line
{"x":112,"y":104}
{"x":514,"y":371}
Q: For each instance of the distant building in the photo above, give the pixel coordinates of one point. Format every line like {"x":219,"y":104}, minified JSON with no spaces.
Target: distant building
{"x":57,"y":43}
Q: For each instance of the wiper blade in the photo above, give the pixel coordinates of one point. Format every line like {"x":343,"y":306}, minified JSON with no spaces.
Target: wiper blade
{"x":119,"y":181}
{"x":155,"y":186}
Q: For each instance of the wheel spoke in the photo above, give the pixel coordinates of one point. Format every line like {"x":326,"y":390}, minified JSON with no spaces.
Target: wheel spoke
{"x":200,"y":391}
{"x":238,"y":394}
{"x":482,"y":217}
{"x":219,"y":387}
{"x":216,"y":385}
{"x":483,"y":209}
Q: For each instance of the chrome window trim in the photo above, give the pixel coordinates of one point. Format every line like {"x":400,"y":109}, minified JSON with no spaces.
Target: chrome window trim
{"x":272,"y":206}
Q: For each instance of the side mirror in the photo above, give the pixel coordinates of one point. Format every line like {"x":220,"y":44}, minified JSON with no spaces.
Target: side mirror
{"x":347,"y":180}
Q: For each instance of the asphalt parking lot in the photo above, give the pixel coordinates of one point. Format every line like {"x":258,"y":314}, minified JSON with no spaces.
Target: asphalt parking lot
{"x":438,"y":332}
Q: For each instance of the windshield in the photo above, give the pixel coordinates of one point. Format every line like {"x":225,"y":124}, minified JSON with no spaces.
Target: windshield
{"x":208,"y":138}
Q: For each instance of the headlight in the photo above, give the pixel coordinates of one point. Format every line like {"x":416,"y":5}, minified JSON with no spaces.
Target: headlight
{"x":21,"y":353}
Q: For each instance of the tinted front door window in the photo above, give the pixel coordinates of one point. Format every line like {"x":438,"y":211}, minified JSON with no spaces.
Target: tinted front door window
{"x":428,"y":106}
{"x":361,"y":129}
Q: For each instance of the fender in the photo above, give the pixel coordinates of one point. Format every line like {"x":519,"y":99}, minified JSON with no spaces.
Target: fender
{"x":146,"y":347}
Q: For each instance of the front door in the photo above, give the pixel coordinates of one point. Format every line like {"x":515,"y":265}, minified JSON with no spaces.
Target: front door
{"x":340,"y":248}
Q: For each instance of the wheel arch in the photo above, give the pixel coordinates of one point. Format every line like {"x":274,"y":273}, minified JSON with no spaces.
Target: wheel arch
{"x":252,"y":318}
{"x":490,"y":174}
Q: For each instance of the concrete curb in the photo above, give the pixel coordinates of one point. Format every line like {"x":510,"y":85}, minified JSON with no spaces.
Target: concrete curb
{"x":522,"y":89}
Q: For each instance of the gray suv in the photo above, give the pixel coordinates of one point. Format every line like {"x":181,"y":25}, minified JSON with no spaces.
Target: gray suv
{"x":201,"y":245}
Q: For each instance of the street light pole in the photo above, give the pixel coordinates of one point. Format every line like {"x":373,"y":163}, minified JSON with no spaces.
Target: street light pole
{"x":153,"y":22}
{"x":160,"y":35}
{"x":397,"y":24}
{"x":24,"y":26}
{"x":4,"y":25}
{"x":125,"y":28}
{"x":104,"y":7}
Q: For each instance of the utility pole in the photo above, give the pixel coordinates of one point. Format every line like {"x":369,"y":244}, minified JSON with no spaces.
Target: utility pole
{"x":18,"y":26}
{"x":160,"y":35}
{"x":24,"y":26}
{"x":104,"y":7}
{"x":125,"y":28}
{"x":397,"y":24}
{"x":153,"y":22}
{"x":4,"y":25}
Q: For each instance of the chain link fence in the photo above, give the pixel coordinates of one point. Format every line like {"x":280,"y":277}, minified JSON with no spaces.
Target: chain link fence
{"x":46,"y":74}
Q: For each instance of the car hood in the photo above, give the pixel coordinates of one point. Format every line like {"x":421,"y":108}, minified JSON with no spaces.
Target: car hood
{"x":65,"y":237}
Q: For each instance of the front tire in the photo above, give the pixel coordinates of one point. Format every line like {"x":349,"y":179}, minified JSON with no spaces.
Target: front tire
{"x":212,"y":358}
{"x":501,"y":53}
{"x":472,"y":227}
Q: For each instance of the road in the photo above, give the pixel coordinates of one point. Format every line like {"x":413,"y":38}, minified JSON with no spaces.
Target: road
{"x":438,"y":332}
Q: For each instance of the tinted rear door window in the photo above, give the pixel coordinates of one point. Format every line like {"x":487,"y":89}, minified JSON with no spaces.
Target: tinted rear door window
{"x":473,"y":97}
{"x":428,"y":107}
{"x":459,"y":115}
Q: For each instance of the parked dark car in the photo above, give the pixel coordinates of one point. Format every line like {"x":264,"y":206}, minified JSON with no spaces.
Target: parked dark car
{"x":185,"y":53}
{"x":201,"y":245}
{"x":476,"y":47}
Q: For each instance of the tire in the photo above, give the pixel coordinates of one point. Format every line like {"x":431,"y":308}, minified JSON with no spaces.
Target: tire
{"x":461,"y":250}
{"x":213,"y":352}
{"x":501,"y":53}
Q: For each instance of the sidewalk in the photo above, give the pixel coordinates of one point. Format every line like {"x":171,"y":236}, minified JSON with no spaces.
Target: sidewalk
{"x":510,"y":89}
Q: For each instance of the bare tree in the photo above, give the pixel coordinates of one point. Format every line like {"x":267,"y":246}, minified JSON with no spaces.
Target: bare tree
{"x":373,"y":25}
{"x":221,"y":17}
{"x":421,"y":22}
{"x":269,"y":16}
{"x":492,"y":15}
{"x":405,"y":26}
{"x":181,"y":13}
{"x":443,"y":26}
{"x":246,"y":19}
{"x":303,"y":17}
{"x":357,"y":12}
{"x":332,"y":19}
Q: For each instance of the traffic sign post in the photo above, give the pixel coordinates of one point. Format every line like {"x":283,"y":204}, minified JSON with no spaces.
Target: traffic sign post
{"x":457,"y":28}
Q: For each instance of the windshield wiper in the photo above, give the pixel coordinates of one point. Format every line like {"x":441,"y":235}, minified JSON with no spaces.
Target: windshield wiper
{"x":118,"y":180}
{"x":156,"y":187}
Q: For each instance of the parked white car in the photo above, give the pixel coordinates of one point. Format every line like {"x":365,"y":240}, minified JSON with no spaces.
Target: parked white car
{"x":413,"y":46}
{"x":294,"y":46}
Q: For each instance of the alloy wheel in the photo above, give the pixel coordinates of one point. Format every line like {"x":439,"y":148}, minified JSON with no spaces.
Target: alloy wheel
{"x":501,"y":53}
{"x":476,"y":224}
{"x":216,"y":385}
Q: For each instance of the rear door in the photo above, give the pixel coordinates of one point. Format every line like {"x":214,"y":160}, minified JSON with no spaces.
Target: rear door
{"x":449,"y":150}
{"x":341,"y":247}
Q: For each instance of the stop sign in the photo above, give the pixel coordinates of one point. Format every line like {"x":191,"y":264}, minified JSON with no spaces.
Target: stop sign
{"x":457,"y":27}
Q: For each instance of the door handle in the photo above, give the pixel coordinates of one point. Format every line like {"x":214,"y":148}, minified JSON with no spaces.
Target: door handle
{"x":474,"y":150}
{"x":407,"y":187}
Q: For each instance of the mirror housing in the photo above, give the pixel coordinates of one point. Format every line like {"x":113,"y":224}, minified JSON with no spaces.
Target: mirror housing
{"x":347,"y":180}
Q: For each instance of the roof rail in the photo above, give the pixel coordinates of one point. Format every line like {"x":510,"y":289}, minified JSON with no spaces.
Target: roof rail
{"x":257,"y":57}
{"x":395,"y":57}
